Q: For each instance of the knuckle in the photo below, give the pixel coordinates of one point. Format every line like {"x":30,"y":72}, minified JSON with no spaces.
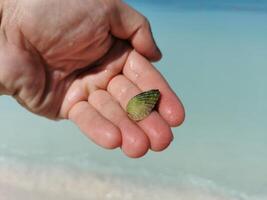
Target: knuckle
{"x":98,"y":98}
{"x":113,"y":82}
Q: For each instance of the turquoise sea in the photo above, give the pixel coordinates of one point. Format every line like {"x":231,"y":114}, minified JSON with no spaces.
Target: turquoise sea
{"x":215,"y":58}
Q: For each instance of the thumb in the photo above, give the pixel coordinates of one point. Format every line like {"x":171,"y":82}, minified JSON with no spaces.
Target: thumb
{"x":127,"y":23}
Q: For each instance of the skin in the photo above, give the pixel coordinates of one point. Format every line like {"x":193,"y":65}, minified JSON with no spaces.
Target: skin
{"x":83,"y":61}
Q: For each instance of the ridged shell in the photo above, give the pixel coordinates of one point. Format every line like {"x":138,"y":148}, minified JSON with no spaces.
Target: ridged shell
{"x":141,"y":105}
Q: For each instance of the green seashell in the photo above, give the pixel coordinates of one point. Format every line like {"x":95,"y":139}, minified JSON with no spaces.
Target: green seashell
{"x":141,"y":105}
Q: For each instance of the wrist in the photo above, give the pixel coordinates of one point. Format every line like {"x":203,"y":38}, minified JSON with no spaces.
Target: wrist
{"x":8,"y":75}
{"x":2,"y":88}
{"x":7,"y":58}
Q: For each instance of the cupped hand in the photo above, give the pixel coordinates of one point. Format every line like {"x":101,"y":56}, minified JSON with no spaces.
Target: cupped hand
{"x":83,"y":60}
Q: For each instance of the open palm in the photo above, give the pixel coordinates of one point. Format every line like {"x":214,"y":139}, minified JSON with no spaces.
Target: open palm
{"x":70,"y":60}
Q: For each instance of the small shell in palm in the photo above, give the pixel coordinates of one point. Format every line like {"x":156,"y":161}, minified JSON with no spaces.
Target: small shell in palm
{"x":141,"y":105}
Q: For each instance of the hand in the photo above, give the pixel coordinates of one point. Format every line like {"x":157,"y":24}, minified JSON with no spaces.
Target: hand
{"x":70,"y":59}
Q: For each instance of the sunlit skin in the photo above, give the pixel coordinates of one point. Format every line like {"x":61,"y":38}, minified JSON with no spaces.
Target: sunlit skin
{"x":83,"y":60}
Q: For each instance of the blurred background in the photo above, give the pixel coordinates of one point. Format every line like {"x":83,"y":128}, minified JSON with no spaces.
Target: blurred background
{"x":215,"y":58}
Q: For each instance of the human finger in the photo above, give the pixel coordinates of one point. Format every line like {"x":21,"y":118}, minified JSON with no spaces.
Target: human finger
{"x":143,"y":74}
{"x":156,"y":128}
{"x":134,"y":141}
{"x":127,"y":23}
{"x":95,"y":126}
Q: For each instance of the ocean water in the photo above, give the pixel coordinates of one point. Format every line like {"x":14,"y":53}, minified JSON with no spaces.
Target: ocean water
{"x":215,"y":59}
